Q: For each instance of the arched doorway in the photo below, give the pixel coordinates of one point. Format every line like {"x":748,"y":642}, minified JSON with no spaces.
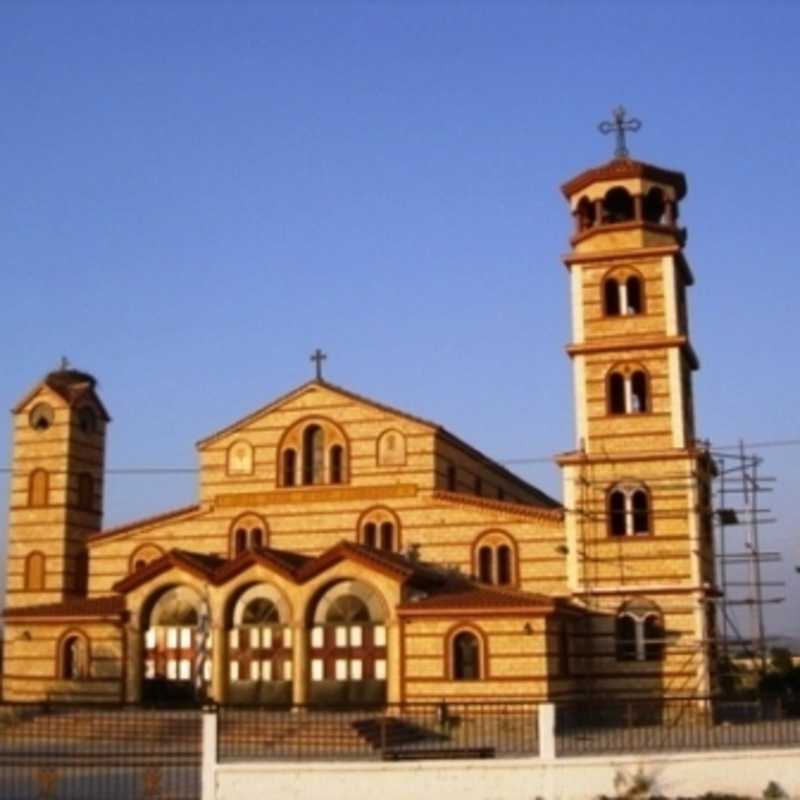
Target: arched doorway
{"x":177,"y":648}
{"x":260,"y":648}
{"x":347,"y":647}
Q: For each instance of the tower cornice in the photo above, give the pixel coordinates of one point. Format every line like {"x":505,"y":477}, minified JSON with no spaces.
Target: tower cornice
{"x":640,"y":343}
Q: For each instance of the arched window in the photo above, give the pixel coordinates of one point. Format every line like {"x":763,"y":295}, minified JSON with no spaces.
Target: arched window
{"x":387,"y":536}
{"x":34,"y":572}
{"x":654,"y":207}
{"x":640,"y":509}
{"x":629,"y":511}
{"x":616,"y":393}
{"x":628,"y":392}
{"x":336,"y":457}
{"x":638,"y":392}
{"x":616,"y":513}
{"x":586,"y":214}
{"x":466,"y":657}
{"x":288,"y":467}
{"x":73,"y":658}
{"x":633,"y":299}
{"x":313,"y":455}
{"x":504,"y":565}
{"x":611,"y":304}
{"x":639,"y":631}
{"x":370,"y":535}
{"x":139,"y":564}
{"x":494,"y":558}
{"x":617,"y":206}
{"x":241,"y":541}
{"x":86,"y":492}
{"x":256,"y":537}
{"x":485,"y":563}
{"x":38,"y":488}
{"x":379,"y":528}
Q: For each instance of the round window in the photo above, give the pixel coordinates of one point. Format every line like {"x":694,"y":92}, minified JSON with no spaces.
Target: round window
{"x":41,"y":416}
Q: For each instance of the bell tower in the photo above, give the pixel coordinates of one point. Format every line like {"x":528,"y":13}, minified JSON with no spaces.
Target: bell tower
{"x":636,"y":487}
{"x":56,"y":497}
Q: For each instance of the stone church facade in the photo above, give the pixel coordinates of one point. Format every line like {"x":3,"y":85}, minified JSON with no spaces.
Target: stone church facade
{"x":344,"y":552}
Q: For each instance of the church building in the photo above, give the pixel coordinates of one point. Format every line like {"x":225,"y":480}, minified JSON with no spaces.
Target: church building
{"x":344,"y":552}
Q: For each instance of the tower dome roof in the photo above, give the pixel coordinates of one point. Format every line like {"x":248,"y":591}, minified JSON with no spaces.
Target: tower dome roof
{"x":622,"y":168}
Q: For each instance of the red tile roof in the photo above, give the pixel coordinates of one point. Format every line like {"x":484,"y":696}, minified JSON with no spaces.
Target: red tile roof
{"x":108,"y":605}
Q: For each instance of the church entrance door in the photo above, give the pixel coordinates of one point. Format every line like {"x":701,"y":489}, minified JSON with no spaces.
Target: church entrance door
{"x":348,"y":651}
{"x":177,"y":659}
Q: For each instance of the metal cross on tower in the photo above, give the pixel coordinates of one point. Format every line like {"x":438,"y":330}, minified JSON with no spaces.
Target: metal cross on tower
{"x":318,"y":358}
{"x":619,"y":126}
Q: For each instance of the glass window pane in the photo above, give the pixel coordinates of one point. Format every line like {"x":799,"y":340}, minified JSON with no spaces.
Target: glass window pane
{"x":341,"y":636}
{"x":234,"y":670}
{"x":355,"y":636}
{"x":266,"y":671}
{"x":341,"y":669}
{"x":150,"y":638}
{"x":172,"y":669}
{"x":356,"y":669}
{"x":380,"y":669}
{"x":317,"y":637}
{"x":317,"y":669}
{"x":185,"y":669}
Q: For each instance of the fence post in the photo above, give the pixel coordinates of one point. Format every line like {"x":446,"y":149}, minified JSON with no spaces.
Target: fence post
{"x":546,"y":716}
{"x":208,"y":775}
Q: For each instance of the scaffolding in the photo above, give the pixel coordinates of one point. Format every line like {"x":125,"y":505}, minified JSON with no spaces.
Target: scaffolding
{"x":740,"y":516}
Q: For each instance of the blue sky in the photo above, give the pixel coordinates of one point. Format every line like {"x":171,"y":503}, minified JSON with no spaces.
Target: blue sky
{"x":194,"y":196}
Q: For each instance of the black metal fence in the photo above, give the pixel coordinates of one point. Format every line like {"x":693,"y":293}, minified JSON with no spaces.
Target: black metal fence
{"x":68,"y":752}
{"x":644,"y":726}
{"x":395,"y":732}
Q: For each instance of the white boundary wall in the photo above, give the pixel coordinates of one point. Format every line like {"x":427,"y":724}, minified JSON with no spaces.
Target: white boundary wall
{"x":741,"y":772}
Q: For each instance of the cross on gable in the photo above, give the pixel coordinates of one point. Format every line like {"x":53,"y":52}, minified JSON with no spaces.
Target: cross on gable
{"x":620,"y":126}
{"x":318,"y":357}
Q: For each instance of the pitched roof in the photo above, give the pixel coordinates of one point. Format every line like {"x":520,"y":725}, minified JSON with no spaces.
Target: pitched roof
{"x":621,"y":168}
{"x":312,"y":384}
{"x":294,"y":566}
{"x":143,"y":522}
{"x":72,"y":386}
{"x":360,"y":398}
{"x":551,"y":510}
{"x":108,"y":605}
{"x":472,"y":597}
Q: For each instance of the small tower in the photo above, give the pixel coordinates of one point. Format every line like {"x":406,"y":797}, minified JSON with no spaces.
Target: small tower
{"x":56,"y":497}
{"x":636,"y":488}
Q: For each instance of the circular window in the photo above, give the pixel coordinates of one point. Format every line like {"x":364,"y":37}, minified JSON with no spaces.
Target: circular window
{"x":41,"y":417}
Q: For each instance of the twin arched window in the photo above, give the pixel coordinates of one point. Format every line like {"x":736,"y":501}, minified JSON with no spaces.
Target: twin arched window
{"x":144,"y":555}
{"x":639,"y":631}
{"x":623,"y":296}
{"x":494,"y":559}
{"x":248,"y":532}
{"x":379,"y":529}
{"x":629,"y":512}
{"x":313,"y":453}
{"x":628,"y":391}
